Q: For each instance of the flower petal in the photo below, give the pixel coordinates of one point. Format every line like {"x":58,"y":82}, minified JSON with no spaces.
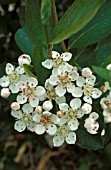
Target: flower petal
{"x":27,"y":108}
{"x":34,"y":101}
{"x":4,"y":81}
{"x":60,"y":91}
{"x":20,"y":70}
{"x":94,"y":115}
{"x":71,"y":88}
{"x":14,"y":88}
{"x":78,"y":92}
{"x":55,"y":54}
{"x":73,"y":75}
{"x":73,"y":124}
{"x":66,"y":56}
{"x":36,"y":118}
{"x":58,"y":140}
{"x":91,"y":80}
{"x":64,"y":107}
{"x":60,"y":100}
{"x":80,"y":81}
{"x":33,"y":82}
{"x":31,"y":126}
{"x":53,"y":80}
{"x":75,"y":103}
{"x":9,"y":68}
{"x":63,"y":120}
{"x":51,"y":129}
{"x":47,"y":63}
{"x":39,"y":129}
{"x":17,"y":114}
{"x":71,"y":138}
{"x":21,"y":98}
{"x":40,"y":91}
{"x":19,"y":126}
{"x":96,"y":93}
{"x":87,"y":99}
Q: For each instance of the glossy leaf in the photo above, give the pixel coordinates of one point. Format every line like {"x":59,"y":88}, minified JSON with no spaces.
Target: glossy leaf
{"x":39,"y":55}
{"x":75,"y":18}
{"x":45,"y":10}
{"x":102,"y":72}
{"x":34,"y":24}
{"x":28,"y":70}
{"x":88,"y":141}
{"x":23,"y":41}
{"x":98,"y":28}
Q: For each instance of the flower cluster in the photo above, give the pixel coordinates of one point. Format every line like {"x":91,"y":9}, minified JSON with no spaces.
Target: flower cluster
{"x":59,"y":106}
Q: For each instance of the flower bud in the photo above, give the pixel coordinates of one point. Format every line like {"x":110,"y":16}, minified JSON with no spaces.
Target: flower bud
{"x":47,"y":105}
{"x":38,"y":109}
{"x":86,"y":72}
{"x":86,"y":108}
{"x":24,"y":59}
{"x":5,"y":92}
{"x":15,"y":106}
{"x":60,"y":113}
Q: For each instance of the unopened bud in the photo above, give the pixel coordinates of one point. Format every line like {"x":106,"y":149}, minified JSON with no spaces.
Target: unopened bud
{"x":86,"y":108}
{"x":24,"y":59}
{"x":15,"y":106}
{"x":86,"y":72}
{"x":5,"y":92}
{"x":47,"y":105}
{"x":38,"y":109}
{"x":60,"y":113}
{"x":75,"y":68}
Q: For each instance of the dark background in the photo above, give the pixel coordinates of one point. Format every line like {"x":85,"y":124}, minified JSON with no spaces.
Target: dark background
{"x":27,"y":151}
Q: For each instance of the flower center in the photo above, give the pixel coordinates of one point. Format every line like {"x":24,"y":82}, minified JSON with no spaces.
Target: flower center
{"x":71,"y":114}
{"x":64,"y":80}
{"x":63,"y":131}
{"x":57,"y":62}
{"x":51,"y":94}
{"x":26,"y":118}
{"x":14,"y":77}
{"x":45,"y":120}
{"x":88,"y":89}
{"x":29,"y":91}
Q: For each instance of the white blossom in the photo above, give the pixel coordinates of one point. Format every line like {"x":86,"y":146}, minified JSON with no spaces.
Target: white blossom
{"x":57,"y":60}
{"x":86,"y":108}
{"x":47,"y":105}
{"x":86,"y":72}
{"x":24,"y":118}
{"x":64,"y":134}
{"x":15,"y":106}
{"x":86,"y":88}
{"x":30,"y":91}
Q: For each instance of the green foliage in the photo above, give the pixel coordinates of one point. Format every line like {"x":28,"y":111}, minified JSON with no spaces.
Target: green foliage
{"x":34,"y":24}
{"x":23,"y":41}
{"x":75,"y":19}
{"x":38,"y":56}
{"x":5,"y":2}
{"x":98,"y":28}
{"x":45,"y":10}
{"x":102,"y":72}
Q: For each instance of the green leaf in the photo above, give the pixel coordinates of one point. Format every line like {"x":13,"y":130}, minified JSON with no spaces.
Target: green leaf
{"x":2,"y":69}
{"x":45,"y":10}
{"x":83,"y":167}
{"x":88,"y":141}
{"x":107,"y":135}
{"x":33,"y":23}
{"x":23,"y":41}
{"x":38,"y":56}
{"x":102,"y":72}
{"x":28,"y":70}
{"x":75,"y":18}
{"x":98,"y":28}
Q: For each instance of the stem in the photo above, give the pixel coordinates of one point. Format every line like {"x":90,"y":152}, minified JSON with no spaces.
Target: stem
{"x":56,"y":22}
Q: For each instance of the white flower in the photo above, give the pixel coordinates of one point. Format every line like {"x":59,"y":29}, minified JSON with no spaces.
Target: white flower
{"x":46,"y":121}
{"x":14,"y":75}
{"x":51,"y":94}
{"x":71,"y":114}
{"x":64,"y":134}
{"x":91,"y":124}
{"x":24,"y":119}
{"x":86,"y":108}
{"x":86,"y":72}
{"x":63,"y":80}
{"x":30,"y":91}
{"x":86,"y":87}
{"x":15,"y":106}
{"x":47,"y":105}
{"x":24,"y":59}
{"x":57,"y":60}
{"x":5,"y":92}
